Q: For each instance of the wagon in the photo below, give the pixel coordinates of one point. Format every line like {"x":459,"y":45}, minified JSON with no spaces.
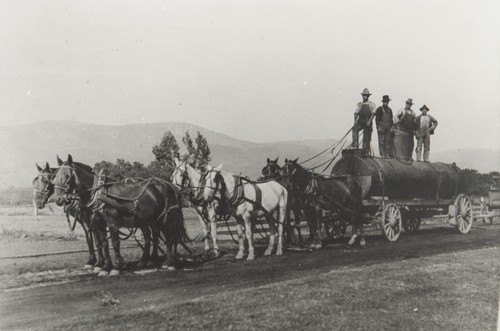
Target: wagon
{"x":398,"y":194}
{"x":490,"y":206}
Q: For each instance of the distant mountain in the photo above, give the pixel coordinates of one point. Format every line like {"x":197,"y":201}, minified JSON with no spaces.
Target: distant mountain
{"x":24,"y":145}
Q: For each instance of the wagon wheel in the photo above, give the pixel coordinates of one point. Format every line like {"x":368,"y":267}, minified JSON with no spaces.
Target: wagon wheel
{"x":412,"y":222}
{"x":391,"y":222}
{"x":335,"y":228}
{"x":463,"y":213}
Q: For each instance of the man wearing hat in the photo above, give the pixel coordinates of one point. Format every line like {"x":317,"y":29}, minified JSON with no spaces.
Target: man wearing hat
{"x":384,"y":122}
{"x":363,"y":117}
{"x":405,"y":121}
{"x":425,"y":125}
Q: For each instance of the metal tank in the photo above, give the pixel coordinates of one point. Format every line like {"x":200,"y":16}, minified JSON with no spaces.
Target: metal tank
{"x":399,"y":180}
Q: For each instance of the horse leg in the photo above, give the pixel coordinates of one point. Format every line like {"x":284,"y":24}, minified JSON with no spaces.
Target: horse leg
{"x":90,"y":242}
{"x":156,"y":240}
{"x":171,"y":251}
{"x":241,"y":240}
{"x":272,"y":229}
{"x":319,"y":218}
{"x":101,"y":233}
{"x":115,"y":240}
{"x":296,"y":214}
{"x":354,"y":236}
{"x":362,"y":242}
{"x":281,"y":220}
{"x":249,"y":235}
{"x":204,"y":230}
{"x":146,"y":233}
{"x":213,"y":231}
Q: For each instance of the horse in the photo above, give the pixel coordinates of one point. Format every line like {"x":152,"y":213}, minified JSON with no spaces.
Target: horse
{"x":43,"y":189}
{"x":248,"y":200}
{"x":153,"y":203}
{"x":186,"y":177}
{"x":272,"y":170}
{"x":339,"y":194}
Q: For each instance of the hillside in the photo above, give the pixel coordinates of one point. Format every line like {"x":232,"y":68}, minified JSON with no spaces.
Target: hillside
{"x":24,"y":145}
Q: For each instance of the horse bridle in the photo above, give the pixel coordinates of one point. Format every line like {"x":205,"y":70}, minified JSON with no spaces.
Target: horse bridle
{"x":268,"y":173}
{"x":69,"y":192}
{"x":45,"y":193}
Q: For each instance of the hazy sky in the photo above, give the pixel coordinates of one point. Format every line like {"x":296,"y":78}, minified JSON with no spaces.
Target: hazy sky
{"x":256,"y":70}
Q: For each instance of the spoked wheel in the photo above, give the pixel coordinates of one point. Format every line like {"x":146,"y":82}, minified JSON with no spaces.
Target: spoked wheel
{"x":463,"y":213}
{"x":411,"y":223}
{"x":391,"y":222}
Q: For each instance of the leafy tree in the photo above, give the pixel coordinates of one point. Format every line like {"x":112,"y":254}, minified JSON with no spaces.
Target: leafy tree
{"x":203,"y":157}
{"x":198,"y":152}
{"x":165,"y":152}
{"x":158,"y":169}
{"x":471,"y":182}
{"x":122,"y":169}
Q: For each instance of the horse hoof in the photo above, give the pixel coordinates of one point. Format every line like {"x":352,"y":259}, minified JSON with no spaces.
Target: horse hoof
{"x":279,"y":252}
{"x":318,"y":246}
{"x":102,"y":273}
{"x":97,"y":270}
{"x":150,"y":264}
{"x":168,"y":267}
{"x":114,"y":272}
{"x":239,"y":256}
{"x":140,"y":264}
{"x":268,"y":252}
{"x":87,"y":267}
{"x":250,"y":257}
{"x":362,"y":242}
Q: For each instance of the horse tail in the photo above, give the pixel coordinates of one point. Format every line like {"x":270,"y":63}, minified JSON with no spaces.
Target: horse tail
{"x":173,"y":222}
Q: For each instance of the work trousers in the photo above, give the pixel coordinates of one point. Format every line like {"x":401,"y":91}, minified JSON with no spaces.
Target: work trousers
{"x":385,"y":142}
{"x":411,"y":146}
{"x":367,"y":136}
{"x":425,"y":140}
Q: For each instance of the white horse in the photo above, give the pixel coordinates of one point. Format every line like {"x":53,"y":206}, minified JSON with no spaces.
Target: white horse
{"x":186,"y":177}
{"x":248,"y":200}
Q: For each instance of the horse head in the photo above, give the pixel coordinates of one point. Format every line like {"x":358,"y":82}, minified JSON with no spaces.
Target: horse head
{"x":292,"y":173}
{"x":180,"y":176}
{"x":70,"y":179}
{"x":272,"y":169}
{"x":214,"y":182}
{"x":42,"y":186}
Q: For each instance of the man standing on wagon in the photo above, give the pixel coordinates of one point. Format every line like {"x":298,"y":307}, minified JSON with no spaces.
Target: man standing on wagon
{"x":363,"y":117}
{"x":405,"y":121}
{"x":425,"y":124}
{"x":385,"y":122}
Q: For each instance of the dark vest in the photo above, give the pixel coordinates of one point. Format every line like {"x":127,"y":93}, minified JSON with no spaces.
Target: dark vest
{"x":407,"y":123}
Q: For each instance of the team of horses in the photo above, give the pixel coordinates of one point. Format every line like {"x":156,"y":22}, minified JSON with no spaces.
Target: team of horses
{"x":102,"y":205}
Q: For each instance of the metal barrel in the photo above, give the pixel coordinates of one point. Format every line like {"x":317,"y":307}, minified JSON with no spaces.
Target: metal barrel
{"x":397,"y":179}
{"x":400,"y":145}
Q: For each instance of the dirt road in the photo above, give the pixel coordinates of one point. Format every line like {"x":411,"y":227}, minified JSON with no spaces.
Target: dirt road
{"x":65,"y":294}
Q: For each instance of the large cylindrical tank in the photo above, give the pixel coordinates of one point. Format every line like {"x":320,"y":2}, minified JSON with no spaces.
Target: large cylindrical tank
{"x":397,"y":179}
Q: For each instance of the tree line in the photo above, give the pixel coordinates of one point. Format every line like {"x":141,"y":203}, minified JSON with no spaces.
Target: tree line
{"x":197,"y":155}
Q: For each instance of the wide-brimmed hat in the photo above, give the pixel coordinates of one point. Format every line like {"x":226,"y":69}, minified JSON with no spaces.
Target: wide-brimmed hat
{"x":385,"y":98}
{"x":410,"y":101}
{"x":366,"y":92}
{"x":424,"y":107}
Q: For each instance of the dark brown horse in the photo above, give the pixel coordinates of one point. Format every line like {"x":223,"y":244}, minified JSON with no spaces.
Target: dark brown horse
{"x":338,"y":194}
{"x":151,"y":204}
{"x":43,"y":190}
